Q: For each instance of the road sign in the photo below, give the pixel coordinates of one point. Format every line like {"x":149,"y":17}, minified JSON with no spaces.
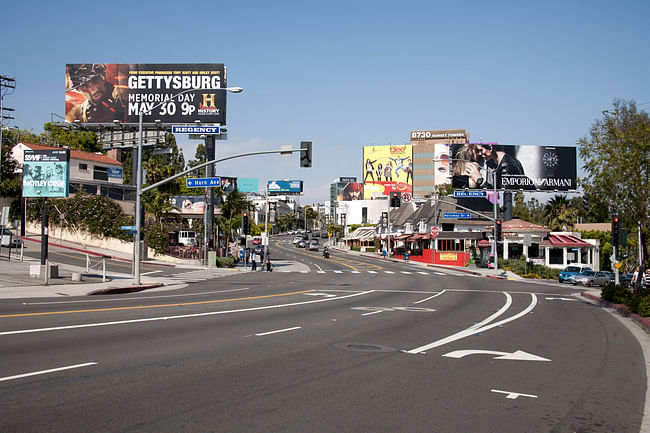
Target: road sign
{"x":434,"y":232}
{"x":203,"y":182}
{"x":460,"y":215}
{"x":406,"y":197}
{"x":195,"y":129}
{"x":471,"y":194}
{"x":128,"y":228}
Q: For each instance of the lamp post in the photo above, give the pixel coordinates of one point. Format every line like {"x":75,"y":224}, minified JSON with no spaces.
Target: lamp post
{"x":495,"y":242}
{"x":138,"y":174}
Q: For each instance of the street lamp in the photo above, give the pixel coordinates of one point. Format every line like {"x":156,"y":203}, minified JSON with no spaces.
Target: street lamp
{"x":495,"y":243}
{"x":138,"y":174}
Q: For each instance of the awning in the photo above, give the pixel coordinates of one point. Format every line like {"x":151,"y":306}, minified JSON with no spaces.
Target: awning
{"x":402,"y":237}
{"x":484,"y":243}
{"x":414,"y":238}
{"x":565,"y":241}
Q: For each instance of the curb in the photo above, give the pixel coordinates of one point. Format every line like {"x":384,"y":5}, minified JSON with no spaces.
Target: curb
{"x":119,"y":290}
{"x":643,"y":322}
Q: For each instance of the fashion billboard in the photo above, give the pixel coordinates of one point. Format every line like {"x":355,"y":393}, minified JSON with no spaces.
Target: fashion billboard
{"x":170,"y":93}
{"x":387,"y":168}
{"x":533,"y":168}
{"x":228,"y":184}
{"x":275,"y":187}
{"x":46,"y":173}
{"x":346,"y":191}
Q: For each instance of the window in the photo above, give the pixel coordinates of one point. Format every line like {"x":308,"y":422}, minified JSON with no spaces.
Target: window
{"x":90,"y":189}
{"x":83,"y":166}
{"x":451,"y":244}
{"x":100,"y":173}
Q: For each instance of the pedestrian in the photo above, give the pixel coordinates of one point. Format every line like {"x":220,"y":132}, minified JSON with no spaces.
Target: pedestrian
{"x":635,"y":278}
{"x":253,"y":261}
{"x":268,"y":263}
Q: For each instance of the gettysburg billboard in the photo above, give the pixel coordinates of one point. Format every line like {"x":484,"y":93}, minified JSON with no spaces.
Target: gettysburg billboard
{"x":532,"y":168}
{"x":181,"y":93}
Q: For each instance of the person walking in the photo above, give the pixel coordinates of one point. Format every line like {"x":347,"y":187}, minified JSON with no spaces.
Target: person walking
{"x":253,"y":261}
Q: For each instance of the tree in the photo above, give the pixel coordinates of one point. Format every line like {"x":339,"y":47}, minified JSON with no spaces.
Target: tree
{"x":616,"y":155}
{"x":555,"y":213}
{"x":86,"y":141}
{"x":199,"y":156}
{"x":231,"y":210}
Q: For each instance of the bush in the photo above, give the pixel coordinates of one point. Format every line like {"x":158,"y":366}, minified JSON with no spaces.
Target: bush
{"x":529,"y":270}
{"x":157,"y":238}
{"x":225,"y":262}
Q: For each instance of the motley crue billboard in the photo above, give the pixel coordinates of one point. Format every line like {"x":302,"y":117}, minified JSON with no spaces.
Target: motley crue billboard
{"x":170,"y":93}
{"x":532,"y":168}
{"x":387,"y":168}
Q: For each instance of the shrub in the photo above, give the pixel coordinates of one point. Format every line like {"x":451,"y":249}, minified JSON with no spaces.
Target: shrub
{"x":225,"y":262}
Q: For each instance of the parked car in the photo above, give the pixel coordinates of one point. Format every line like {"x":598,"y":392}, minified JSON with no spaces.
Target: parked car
{"x":313,"y":245}
{"x":591,"y":278}
{"x":612,"y":277}
{"x":567,"y":275}
{"x":625,"y":279}
{"x":9,"y":239}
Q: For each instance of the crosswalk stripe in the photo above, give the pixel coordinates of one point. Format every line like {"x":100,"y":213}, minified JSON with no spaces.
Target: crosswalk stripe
{"x":356,"y":272}
{"x":405,"y":272}
{"x":389,"y":272}
{"x":423,"y":273}
{"x":372,"y":272}
{"x":338,"y":272}
{"x":321,"y":272}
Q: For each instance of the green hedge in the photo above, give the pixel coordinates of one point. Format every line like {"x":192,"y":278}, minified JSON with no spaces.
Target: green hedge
{"x":529,"y":270}
{"x":638,"y":303}
{"x":225,"y":262}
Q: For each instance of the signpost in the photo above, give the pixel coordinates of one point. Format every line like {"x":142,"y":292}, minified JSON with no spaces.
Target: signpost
{"x":203,"y":182}
{"x":459,"y":215}
{"x":406,"y":197}
{"x":195,"y":129}
{"x":129,"y":229}
{"x":434,"y":232}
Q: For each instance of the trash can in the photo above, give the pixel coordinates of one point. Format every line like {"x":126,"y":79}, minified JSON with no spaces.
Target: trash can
{"x":212,"y":259}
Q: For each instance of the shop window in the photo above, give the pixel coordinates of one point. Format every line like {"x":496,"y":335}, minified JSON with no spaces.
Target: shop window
{"x":83,"y":166}
{"x":90,"y":189}
{"x":556,"y":256}
{"x":100,"y":173}
{"x":451,"y":245}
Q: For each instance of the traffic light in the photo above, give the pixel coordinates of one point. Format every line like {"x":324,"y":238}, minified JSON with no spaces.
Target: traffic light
{"x":395,"y":199}
{"x":305,"y":154}
{"x":499,"y":232}
{"x":616,"y":231}
{"x":246,"y":228}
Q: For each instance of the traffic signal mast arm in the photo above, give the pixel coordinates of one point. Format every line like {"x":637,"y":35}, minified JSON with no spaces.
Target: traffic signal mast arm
{"x":197,"y":167}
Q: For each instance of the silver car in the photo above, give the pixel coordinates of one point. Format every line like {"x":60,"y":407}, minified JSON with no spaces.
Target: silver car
{"x":591,"y":278}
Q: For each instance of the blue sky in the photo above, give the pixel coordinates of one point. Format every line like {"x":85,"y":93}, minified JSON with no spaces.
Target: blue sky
{"x":347,"y":74}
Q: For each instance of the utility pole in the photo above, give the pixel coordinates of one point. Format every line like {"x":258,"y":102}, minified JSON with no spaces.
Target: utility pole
{"x":5,"y":83}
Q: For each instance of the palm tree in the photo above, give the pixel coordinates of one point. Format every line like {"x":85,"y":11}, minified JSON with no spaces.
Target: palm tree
{"x":231,"y":210}
{"x":553,"y":211}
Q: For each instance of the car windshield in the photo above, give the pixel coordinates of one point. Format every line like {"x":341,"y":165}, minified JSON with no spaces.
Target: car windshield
{"x":572,"y":269}
{"x":588,"y":273}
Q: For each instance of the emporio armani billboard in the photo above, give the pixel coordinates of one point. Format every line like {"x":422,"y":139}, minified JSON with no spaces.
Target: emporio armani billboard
{"x":541,"y":168}
{"x":171,"y":93}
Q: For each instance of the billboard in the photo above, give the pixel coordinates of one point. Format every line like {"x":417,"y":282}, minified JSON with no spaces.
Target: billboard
{"x":228,"y":184}
{"x":284,"y":187}
{"x":46,"y":173}
{"x":247,"y":184}
{"x":189,"y":204}
{"x":387,"y":168}
{"x":533,"y":168}
{"x":346,"y":191}
{"x":171,"y":93}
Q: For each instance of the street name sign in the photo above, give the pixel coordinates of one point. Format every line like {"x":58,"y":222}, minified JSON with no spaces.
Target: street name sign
{"x":195,"y":129}
{"x":128,"y":228}
{"x":202,"y":182}
{"x":471,"y":194}
{"x":460,"y":215}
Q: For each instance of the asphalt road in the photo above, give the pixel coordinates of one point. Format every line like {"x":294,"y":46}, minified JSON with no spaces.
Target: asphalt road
{"x":346,"y":344}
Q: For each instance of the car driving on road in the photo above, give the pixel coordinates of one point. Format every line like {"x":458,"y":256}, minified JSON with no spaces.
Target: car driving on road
{"x":567,"y":275}
{"x":591,"y":278}
{"x":313,"y":245}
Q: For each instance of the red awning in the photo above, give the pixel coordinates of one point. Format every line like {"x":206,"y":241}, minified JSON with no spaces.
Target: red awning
{"x":402,"y":237}
{"x":414,"y":238}
{"x":565,"y":241}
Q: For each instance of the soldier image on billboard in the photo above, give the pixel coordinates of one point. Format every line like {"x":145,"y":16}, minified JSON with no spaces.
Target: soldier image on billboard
{"x":103,"y":101}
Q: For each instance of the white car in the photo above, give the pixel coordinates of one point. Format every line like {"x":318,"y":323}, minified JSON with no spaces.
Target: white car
{"x":313,"y":246}
{"x":297,"y":239}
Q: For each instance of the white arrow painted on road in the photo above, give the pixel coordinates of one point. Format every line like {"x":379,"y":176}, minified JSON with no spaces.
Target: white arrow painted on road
{"x":513,"y":395}
{"x":327,"y":295}
{"x":560,"y":299}
{"x":518,"y":355}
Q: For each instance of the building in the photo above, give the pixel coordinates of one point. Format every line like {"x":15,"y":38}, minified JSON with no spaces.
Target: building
{"x":427,"y":146}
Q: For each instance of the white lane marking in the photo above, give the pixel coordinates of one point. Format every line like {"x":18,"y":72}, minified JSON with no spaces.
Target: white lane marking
{"x":372,"y":272}
{"x":183,"y":316}
{"x":517,"y":355}
{"x":149,"y":273}
{"x":439,"y":273}
{"x":423,"y":273}
{"x":327,"y":295}
{"x":51,"y":370}
{"x":130,"y":299}
{"x":501,"y":311}
{"x":261,"y":334}
{"x":405,"y":272}
{"x":389,"y":272}
{"x":513,"y":395}
{"x":472,"y":330}
{"x":355,"y":272}
{"x":321,"y":272}
{"x":304,"y":272}
{"x":338,"y":272}
{"x":560,"y":299}
{"x":430,"y":297}
{"x":374,"y":312}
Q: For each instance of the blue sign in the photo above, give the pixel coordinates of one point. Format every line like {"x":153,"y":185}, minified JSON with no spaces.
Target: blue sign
{"x":203,"y":182}
{"x":472,"y":194}
{"x":114,"y":172}
{"x":46,"y":173}
{"x":129,"y":228}
{"x":285,"y":186}
{"x":195,"y":129}
{"x":461,"y":215}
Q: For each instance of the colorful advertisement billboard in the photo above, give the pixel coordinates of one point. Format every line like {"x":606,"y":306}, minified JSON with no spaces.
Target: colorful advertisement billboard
{"x":228,"y":184}
{"x":171,"y":93}
{"x":346,"y":191}
{"x":387,"y":168}
{"x":275,"y":187}
{"x":532,"y":168}
{"x":46,"y":173}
